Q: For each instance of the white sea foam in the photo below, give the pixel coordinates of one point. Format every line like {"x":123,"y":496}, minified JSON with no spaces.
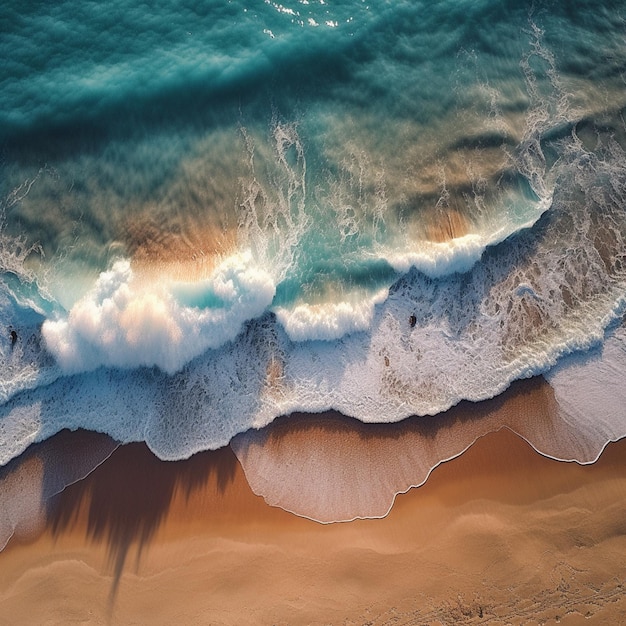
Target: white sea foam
{"x":23,"y":304}
{"x":14,"y":251}
{"x":528,"y":301}
{"x":127,"y":322}
{"x":325,"y":483}
{"x":439,"y":259}
{"x":331,"y":320}
{"x":201,"y":407}
{"x":469,"y":315}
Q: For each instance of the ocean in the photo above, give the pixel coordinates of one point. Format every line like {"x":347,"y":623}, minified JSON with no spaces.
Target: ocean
{"x":213,"y":214}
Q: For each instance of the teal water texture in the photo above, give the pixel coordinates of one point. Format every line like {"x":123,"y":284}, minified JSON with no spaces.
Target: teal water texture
{"x":217,"y":213}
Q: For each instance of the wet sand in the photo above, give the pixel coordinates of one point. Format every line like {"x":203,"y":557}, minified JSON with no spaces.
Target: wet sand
{"x":500,"y":535}
{"x":329,"y":467}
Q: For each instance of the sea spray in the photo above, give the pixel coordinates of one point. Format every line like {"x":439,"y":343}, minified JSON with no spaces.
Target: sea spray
{"x":122,"y":323}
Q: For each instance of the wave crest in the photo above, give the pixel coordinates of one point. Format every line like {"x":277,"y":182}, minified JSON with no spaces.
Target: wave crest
{"x":124,"y":322}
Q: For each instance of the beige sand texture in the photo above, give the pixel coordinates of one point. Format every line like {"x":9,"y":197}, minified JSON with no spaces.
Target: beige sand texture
{"x":500,"y":535}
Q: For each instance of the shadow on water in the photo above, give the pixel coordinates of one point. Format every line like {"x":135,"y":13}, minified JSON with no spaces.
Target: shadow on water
{"x":127,"y":498}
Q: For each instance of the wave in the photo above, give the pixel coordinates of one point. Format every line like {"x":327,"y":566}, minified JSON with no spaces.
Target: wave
{"x":545,"y":292}
{"x":182,"y":64}
{"x":122,"y":323}
{"x":341,"y":279}
{"x":356,"y":471}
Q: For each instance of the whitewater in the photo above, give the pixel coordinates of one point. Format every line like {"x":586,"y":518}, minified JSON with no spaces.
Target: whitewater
{"x":213,"y":218}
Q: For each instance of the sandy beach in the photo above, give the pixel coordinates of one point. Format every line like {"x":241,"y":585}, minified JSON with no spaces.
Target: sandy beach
{"x":500,"y":535}
{"x":313,"y":313}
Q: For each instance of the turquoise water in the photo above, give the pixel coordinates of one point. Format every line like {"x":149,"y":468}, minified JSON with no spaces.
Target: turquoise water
{"x":214,"y":214}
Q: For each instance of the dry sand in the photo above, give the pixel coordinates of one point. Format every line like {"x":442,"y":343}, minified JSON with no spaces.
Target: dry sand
{"x":500,"y":535}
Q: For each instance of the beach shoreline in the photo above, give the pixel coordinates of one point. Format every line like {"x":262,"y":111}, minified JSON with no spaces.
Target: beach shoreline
{"x":500,"y":534}
{"x":313,"y":313}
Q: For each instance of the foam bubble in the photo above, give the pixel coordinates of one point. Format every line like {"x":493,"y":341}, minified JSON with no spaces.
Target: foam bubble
{"x":529,"y":300}
{"x":330,"y":320}
{"x":201,"y":407}
{"x":14,"y":251}
{"x":498,"y":300}
{"x":441,"y":258}
{"x":125,"y":322}
{"x":24,"y":303}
